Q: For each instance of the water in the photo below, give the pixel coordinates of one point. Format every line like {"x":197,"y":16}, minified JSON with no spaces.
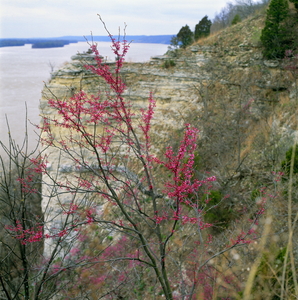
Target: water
{"x":24,"y":70}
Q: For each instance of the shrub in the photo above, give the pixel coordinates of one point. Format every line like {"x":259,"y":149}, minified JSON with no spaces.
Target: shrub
{"x":221,"y":216}
{"x":269,"y":274}
{"x":236,"y":20}
{"x":286,"y":163}
{"x":169,"y":63}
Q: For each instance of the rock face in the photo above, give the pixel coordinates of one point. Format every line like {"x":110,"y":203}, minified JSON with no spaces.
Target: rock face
{"x":241,"y":102}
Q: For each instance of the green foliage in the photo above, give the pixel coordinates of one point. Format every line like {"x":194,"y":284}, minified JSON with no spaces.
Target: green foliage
{"x":275,"y":33}
{"x":269,"y":275}
{"x":256,"y":36}
{"x":236,"y":20}
{"x":169,"y":63}
{"x":185,"y":36}
{"x":255,"y":194}
{"x":202,"y":29}
{"x":197,"y":161}
{"x":216,"y":211}
{"x":286,"y":164}
{"x":140,"y":288}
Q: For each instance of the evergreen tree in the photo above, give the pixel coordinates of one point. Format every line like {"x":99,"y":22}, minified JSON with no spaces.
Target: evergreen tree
{"x":275,"y":33}
{"x":236,"y":19}
{"x":202,"y":29}
{"x":185,"y":36}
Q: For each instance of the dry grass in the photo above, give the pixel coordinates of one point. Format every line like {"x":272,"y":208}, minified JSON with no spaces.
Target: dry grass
{"x":246,"y":32}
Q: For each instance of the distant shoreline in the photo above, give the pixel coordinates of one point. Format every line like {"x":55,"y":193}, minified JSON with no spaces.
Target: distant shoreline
{"x":65,"y":40}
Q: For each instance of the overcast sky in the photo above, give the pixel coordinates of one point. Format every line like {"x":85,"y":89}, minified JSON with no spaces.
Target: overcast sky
{"x":53,"y":18}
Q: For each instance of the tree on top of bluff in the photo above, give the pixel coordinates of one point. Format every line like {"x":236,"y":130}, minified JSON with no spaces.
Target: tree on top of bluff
{"x":202,"y":29}
{"x":185,"y":36}
{"x":275,"y":35}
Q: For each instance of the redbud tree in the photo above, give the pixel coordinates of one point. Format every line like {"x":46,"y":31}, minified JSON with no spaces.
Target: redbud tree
{"x":120,"y":214}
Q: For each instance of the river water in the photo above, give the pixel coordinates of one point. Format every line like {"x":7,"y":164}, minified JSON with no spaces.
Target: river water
{"x":24,"y":70}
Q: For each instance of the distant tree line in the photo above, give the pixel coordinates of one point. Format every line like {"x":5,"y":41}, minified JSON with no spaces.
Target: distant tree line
{"x":11,"y":43}
{"x":36,"y":43}
{"x":57,"y":41}
{"x":233,"y":13}
{"x":50,"y":44}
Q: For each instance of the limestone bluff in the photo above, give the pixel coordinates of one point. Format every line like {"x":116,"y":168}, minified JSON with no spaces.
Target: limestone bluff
{"x":224,"y":87}
{"x":175,"y":96}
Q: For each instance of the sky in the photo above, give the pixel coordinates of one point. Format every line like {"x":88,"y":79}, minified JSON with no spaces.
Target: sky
{"x":55,"y":18}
